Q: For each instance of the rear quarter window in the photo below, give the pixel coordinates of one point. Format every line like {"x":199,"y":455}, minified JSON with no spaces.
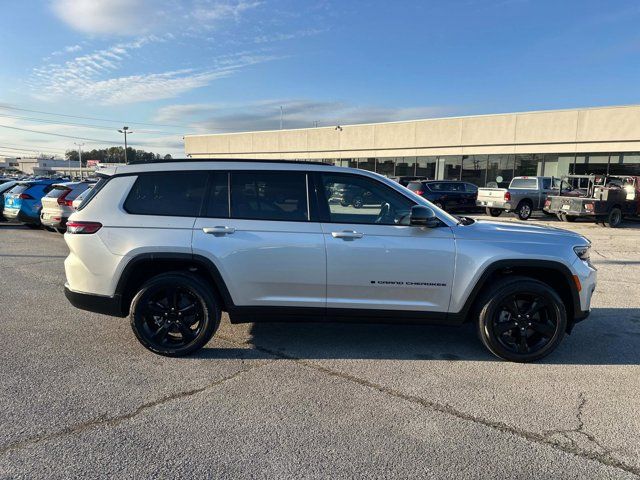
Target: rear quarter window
{"x":177,"y":194}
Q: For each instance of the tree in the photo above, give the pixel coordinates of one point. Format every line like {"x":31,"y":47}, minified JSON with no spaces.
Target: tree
{"x":114,"y":155}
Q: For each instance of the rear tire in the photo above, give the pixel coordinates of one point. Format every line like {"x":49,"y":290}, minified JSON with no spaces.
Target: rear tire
{"x":174,"y":314}
{"x":357,"y":202}
{"x":521,"y":319}
{"x":494,"y":212}
{"x":614,"y":219}
{"x":524,"y":210}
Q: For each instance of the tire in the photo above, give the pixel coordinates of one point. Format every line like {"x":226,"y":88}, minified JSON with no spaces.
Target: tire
{"x":614,"y":219}
{"x":357,"y":202}
{"x":494,"y":212}
{"x":560,"y":216}
{"x":521,"y":339}
{"x":524,"y":210}
{"x":161,"y":326}
{"x":570,"y":218}
{"x":344,"y":203}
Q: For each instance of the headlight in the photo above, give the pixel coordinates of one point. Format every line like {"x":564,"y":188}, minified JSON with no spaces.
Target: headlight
{"x":583,"y":252}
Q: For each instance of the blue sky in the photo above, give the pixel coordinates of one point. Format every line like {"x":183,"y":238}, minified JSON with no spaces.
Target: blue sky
{"x":169,"y":67}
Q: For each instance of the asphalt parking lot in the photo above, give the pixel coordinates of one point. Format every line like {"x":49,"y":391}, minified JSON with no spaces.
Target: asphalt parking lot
{"x":81,"y":398}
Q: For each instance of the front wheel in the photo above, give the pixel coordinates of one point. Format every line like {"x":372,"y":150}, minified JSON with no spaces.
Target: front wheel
{"x":174,"y":314}
{"x":521,"y":319}
{"x":358,"y":202}
{"x":494,"y":212}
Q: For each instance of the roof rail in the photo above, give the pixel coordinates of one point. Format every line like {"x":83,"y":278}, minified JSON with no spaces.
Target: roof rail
{"x":242,"y":160}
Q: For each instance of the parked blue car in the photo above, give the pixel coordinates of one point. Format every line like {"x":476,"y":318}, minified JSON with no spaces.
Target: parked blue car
{"x":24,"y":201}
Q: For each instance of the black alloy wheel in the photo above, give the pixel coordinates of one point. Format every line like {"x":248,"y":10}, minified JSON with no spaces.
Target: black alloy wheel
{"x":174,"y":314}
{"x":521,"y":319}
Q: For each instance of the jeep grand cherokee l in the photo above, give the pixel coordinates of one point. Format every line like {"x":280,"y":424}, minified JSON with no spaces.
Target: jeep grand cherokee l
{"x":172,"y":244}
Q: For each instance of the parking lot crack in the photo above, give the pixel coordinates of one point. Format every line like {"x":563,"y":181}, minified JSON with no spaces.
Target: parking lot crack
{"x":103,"y":420}
{"x":603,"y":456}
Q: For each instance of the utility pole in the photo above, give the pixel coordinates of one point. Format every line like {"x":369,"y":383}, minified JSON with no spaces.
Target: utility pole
{"x":125,"y":130}
{"x":80,"y":145}
{"x":281,"y":115}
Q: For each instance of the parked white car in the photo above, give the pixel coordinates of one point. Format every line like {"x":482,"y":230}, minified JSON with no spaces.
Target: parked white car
{"x":57,"y":205}
{"x":172,"y":244}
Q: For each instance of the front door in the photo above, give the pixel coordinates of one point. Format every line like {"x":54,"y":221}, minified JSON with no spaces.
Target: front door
{"x":375,"y":260}
{"x":260,"y":238}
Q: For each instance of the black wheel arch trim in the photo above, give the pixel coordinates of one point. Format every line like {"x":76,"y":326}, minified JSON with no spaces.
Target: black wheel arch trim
{"x":197,"y":260}
{"x":505,"y":265}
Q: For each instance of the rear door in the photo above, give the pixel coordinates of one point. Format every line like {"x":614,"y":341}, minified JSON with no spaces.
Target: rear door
{"x":257,"y":229}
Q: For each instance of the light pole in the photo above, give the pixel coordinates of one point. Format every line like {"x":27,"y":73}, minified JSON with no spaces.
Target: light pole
{"x":281,"y":115}
{"x":125,"y":130}
{"x":79,"y":145}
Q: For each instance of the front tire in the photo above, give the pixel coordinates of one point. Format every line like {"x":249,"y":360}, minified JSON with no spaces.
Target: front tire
{"x":174,"y":314}
{"x":494,"y":212}
{"x":521,"y":319}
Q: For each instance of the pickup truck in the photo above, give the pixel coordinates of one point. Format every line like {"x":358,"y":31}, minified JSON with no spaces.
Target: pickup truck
{"x":523,"y":196}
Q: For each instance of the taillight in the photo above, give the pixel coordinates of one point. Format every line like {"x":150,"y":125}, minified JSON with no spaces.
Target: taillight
{"x":62,"y":201}
{"x":507,"y":196}
{"x":83,"y":227}
{"x":25,"y":196}
{"x":547,"y":203}
{"x":419,"y":192}
{"x":589,"y":207}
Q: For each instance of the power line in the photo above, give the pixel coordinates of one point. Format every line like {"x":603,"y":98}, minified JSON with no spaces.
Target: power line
{"x":6,"y":107}
{"x":9,"y":147}
{"x":85,"y":125}
{"x":58,"y":134}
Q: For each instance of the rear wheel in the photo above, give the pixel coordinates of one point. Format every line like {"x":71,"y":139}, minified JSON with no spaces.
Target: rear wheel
{"x":614,"y":219}
{"x":524,"y":210}
{"x":174,"y":314}
{"x":521,"y":319}
{"x":357,"y":202}
{"x":494,"y":212}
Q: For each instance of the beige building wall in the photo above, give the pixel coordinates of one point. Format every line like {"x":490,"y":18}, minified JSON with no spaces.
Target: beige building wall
{"x":605,"y":129}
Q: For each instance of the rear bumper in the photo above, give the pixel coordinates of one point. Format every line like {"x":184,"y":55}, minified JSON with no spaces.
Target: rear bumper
{"x":56,"y":221}
{"x":499,"y":204}
{"x":95,"y":303}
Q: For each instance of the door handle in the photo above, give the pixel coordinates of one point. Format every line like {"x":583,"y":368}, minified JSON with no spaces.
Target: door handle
{"x":347,"y":235}
{"x":219,"y":230}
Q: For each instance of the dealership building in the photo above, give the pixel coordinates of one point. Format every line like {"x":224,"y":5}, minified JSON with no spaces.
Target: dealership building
{"x":478,"y":149}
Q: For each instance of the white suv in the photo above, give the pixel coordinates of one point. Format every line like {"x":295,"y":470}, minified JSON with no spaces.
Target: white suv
{"x":172,"y":244}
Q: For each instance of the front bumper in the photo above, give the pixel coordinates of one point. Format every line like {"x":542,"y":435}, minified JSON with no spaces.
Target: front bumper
{"x":95,"y":303}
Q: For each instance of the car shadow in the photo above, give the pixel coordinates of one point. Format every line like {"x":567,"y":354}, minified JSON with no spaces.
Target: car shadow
{"x":610,"y":336}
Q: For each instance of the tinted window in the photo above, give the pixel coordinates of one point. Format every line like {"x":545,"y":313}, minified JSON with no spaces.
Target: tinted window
{"x":92,"y":192}
{"x":167,"y":193}
{"x":76,"y":190}
{"x":455,"y":187}
{"x":19,"y":188}
{"x":546,"y":183}
{"x":414,"y":186}
{"x":56,"y":192}
{"x":269,"y":196}
{"x":470,"y":187}
{"x":218,"y":203}
{"x":356,"y":199}
{"x":523,"y":183}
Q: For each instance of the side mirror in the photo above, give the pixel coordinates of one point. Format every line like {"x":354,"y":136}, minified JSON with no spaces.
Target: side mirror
{"x":422,"y":216}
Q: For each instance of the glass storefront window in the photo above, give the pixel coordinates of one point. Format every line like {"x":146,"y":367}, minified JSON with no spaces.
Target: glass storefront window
{"x":550,"y":165}
{"x":426,"y":167}
{"x":452,"y":167}
{"x":474,"y":169}
{"x":625,"y":164}
{"x":598,"y":163}
{"x":405,"y":167}
{"x":500,"y":170}
{"x":386,"y":166}
{"x":579,"y":166}
{"x":528,"y":165}
{"x":367,"y":164}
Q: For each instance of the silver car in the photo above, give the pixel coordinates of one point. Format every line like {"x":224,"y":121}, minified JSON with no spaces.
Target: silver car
{"x":57,"y":205}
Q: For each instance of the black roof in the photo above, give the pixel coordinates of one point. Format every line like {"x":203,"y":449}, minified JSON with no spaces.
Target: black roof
{"x":247,"y":160}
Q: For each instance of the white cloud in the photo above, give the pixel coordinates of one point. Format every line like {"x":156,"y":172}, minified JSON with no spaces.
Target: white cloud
{"x":92,"y":76}
{"x":137,"y":17}
{"x":265,"y":115}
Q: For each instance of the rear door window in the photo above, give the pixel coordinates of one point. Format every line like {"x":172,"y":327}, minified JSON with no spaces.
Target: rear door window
{"x":218,"y":201}
{"x":77,"y":190}
{"x":56,"y":192}
{"x":269,"y":196}
{"x":177,"y":194}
